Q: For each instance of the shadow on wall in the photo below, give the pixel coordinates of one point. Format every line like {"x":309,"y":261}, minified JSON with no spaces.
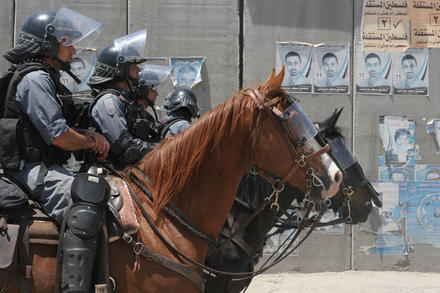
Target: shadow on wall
{"x":308,"y":14}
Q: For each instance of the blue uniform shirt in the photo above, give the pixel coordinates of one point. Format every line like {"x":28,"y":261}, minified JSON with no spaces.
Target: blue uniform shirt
{"x":178,"y":126}
{"x":109,"y":113}
{"x":36,"y":95}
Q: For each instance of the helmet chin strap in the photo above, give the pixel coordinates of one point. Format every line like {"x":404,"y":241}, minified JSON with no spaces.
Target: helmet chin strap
{"x":66,"y":68}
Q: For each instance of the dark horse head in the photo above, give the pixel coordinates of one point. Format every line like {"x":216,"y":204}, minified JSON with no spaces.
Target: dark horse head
{"x":356,"y":194}
{"x":240,"y":254}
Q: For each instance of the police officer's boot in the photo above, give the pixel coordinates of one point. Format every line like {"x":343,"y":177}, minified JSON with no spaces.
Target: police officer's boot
{"x":90,"y":194}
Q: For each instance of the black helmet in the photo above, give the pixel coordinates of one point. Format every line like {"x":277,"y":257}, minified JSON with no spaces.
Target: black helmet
{"x":43,"y":31}
{"x":114,"y":61}
{"x":182,"y":98}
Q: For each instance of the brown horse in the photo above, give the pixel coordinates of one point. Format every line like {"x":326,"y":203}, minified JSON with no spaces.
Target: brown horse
{"x":199,"y":171}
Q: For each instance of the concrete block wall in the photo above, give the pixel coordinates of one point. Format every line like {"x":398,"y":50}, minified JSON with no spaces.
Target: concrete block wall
{"x":238,"y":38}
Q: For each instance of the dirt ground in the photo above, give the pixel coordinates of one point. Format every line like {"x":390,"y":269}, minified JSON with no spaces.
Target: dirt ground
{"x":347,"y":282}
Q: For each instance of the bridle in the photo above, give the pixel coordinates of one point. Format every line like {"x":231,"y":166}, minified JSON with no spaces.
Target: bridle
{"x":295,"y":147}
{"x":349,"y":189}
{"x":301,"y":161}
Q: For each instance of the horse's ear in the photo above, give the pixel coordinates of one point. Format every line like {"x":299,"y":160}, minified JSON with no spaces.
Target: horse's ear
{"x":331,"y":122}
{"x":272,"y":75}
{"x":274,"y":82}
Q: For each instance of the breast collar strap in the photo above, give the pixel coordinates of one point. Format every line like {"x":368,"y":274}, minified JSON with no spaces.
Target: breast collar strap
{"x":301,"y":160}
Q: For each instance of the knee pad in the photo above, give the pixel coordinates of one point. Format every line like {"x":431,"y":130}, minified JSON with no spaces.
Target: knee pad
{"x":89,"y":188}
{"x":84,"y":220}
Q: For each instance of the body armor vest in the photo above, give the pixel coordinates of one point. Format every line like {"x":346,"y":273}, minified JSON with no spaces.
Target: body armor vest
{"x":138,"y":120}
{"x":21,"y":141}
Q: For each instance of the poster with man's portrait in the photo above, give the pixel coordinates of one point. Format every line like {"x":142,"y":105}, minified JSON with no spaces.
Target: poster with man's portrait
{"x":82,"y":67}
{"x":373,"y":72}
{"x":331,"y":68}
{"x":398,"y":138}
{"x":186,"y":71}
{"x":297,"y":58}
{"x":410,"y":72}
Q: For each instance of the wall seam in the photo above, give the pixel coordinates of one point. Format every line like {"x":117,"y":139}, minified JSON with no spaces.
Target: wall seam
{"x":14,"y":21}
{"x":127,"y":15}
{"x":240,"y":43}
{"x":353,"y":117}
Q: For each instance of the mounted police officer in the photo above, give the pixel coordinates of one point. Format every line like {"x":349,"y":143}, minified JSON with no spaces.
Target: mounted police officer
{"x":37,"y":138}
{"x":122,"y":97}
{"x":182,"y":107}
{"x":146,"y":91}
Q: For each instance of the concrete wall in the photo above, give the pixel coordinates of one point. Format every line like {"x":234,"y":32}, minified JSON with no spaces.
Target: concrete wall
{"x":238,"y":38}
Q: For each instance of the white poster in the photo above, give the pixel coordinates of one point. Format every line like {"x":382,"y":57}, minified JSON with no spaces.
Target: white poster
{"x":398,"y":138}
{"x":186,"y":71}
{"x":297,"y":57}
{"x":373,"y":72}
{"x":410,"y":72}
{"x":82,"y":67}
{"x":331,"y":68}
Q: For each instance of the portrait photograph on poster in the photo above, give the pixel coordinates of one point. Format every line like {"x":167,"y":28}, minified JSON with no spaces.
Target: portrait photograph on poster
{"x":297,"y":57}
{"x":410,"y":72}
{"x":331,"y":68}
{"x":398,"y":138}
{"x":82,"y":66}
{"x":373,"y":72}
{"x":186,"y":71}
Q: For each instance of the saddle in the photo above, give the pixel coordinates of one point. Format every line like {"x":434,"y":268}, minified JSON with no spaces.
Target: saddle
{"x":36,"y":227}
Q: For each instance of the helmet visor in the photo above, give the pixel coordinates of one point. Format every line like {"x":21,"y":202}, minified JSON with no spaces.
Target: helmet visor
{"x":302,"y":126}
{"x":153,"y":75}
{"x":342,"y":153}
{"x":73,"y":28}
{"x":131,"y":47}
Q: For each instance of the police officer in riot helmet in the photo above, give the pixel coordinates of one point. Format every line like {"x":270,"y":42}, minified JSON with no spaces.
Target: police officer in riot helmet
{"x":146,"y":91}
{"x":182,"y":107}
{"x":38,"y":139}
{"x":117,"y":111}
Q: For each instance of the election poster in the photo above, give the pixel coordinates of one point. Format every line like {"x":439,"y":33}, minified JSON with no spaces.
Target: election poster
{"x":425,"y":24}
{"x":186,"y":71}
{"x":410,"y":72}
{"x":82,"y":66}
{"x":297,"y":58}
{"x":331,"y":68}
{"x":373,"y":72}
{"x":385,"y":25}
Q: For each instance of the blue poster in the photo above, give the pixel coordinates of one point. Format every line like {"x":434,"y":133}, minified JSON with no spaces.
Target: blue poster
{"x":423,"y":213}
{"x":396,"y":173}
{"x":388,"y":223}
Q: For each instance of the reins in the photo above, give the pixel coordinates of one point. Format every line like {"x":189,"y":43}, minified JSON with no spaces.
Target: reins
{"x":301,"y":162}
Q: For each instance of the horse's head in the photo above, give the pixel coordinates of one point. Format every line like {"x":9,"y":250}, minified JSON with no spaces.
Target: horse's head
{"x":284,"y":142}
{"x":353,"y":201}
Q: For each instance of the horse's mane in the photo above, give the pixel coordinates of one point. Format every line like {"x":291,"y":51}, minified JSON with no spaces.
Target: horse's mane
{"x":173,"y":163}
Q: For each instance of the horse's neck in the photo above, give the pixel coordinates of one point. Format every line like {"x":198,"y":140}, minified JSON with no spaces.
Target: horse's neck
{"x":215,"y":187}
{"x":219,"y":145}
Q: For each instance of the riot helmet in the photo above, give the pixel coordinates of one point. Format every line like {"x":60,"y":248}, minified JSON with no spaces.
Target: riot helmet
{"x":152,"y":76}
{"x":114,"y":61}
{"x":182,"y":98}
{"x":42,"y":33}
